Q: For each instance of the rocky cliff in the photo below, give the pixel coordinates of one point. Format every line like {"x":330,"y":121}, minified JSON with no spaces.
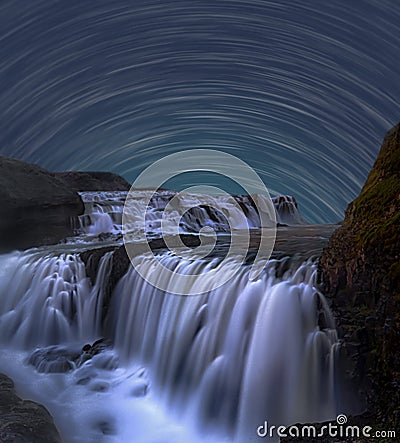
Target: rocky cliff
{"x":80,"y":181}
{"x":360,"y":270}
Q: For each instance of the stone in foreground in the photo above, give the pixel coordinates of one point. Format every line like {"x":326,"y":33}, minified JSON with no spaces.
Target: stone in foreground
{"x":23,"y":421}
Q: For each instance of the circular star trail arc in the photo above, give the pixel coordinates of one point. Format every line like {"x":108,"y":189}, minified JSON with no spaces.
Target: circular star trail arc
{"x":301,"y":90}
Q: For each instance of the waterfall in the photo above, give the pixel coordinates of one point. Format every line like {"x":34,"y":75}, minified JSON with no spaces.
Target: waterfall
{"x":203,"y":368}
{"x":245,"y":352}
{"x":227,"y":359}
{"x":103,"y":212}
{"x":48,"y":299}
{"x":287,"y":212}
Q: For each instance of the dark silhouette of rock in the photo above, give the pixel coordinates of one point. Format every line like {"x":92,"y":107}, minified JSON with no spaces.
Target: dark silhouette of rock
{"x":63,"y":358}
{"x":54,"y":359}
{"x":23,"y":421}
{"x":35,"y":207}
{"x":360,"y":271}
{"x":117,"y":267}
{"x":80,"y":181}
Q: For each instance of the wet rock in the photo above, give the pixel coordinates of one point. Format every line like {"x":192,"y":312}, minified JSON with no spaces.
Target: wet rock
{"x":39,"y":207}
{"x":59,"y":359}
{"x":85,"y":374}
{"x":23,"y":421}
{"x":83,"y":381}
{"x":53,"y":359}
{"x":118,"y":266}
{"x":97,"y":347}
{"x":100,"y":355}
{"x":106,"y":360}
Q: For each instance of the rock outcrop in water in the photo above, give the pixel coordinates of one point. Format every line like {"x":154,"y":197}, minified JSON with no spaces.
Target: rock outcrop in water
{"x":35,"y":207}
{"x":361,"y":275}
{"x":23,"y":421}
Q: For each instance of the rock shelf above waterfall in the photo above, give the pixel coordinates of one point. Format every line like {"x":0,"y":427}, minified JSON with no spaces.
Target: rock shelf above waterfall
{"x":37,"y":206}
{"x":80,"y":181}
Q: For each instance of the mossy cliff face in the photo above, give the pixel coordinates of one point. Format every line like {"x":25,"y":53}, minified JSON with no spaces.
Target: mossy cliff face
{"x":360,"y":273}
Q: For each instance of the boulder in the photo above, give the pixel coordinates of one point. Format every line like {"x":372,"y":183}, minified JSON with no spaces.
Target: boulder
{"x":23,"y":421}
{"x":360,"y":273}
{"x":36,"y":208}
{"x":62,"y":358}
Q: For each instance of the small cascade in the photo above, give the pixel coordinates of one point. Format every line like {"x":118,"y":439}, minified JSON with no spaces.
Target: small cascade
{"x":103,"y":212}
{"x":48,"y":299}
{"x":287,"y":212}
{"x":245,"y":352}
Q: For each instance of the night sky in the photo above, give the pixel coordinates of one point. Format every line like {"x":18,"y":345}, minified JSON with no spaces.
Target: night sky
{"x":303,"y":91}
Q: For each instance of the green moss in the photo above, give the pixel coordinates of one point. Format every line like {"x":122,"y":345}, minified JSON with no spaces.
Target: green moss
{"x":377,"y":211}
{"x":367,"y":247}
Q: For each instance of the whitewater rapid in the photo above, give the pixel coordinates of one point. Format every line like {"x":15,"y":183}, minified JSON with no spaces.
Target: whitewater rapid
{"x":103,"y":212}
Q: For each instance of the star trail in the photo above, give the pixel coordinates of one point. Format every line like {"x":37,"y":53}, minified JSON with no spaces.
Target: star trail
{"x":303,"y":91}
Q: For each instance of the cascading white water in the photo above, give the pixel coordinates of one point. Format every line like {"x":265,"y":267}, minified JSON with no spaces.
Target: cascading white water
{"x":223,"y":361}
{"x":103,"y":212}
{"x":243,"y":353}
{"x":48,"y":311}
{"x":47,"y":299}
{"x":287,"y":212}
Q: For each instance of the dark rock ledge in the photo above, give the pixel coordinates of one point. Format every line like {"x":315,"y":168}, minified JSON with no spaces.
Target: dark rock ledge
{"x":37,"y":206}
{"x":80,"y":181}
{"x":23,"y":421}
